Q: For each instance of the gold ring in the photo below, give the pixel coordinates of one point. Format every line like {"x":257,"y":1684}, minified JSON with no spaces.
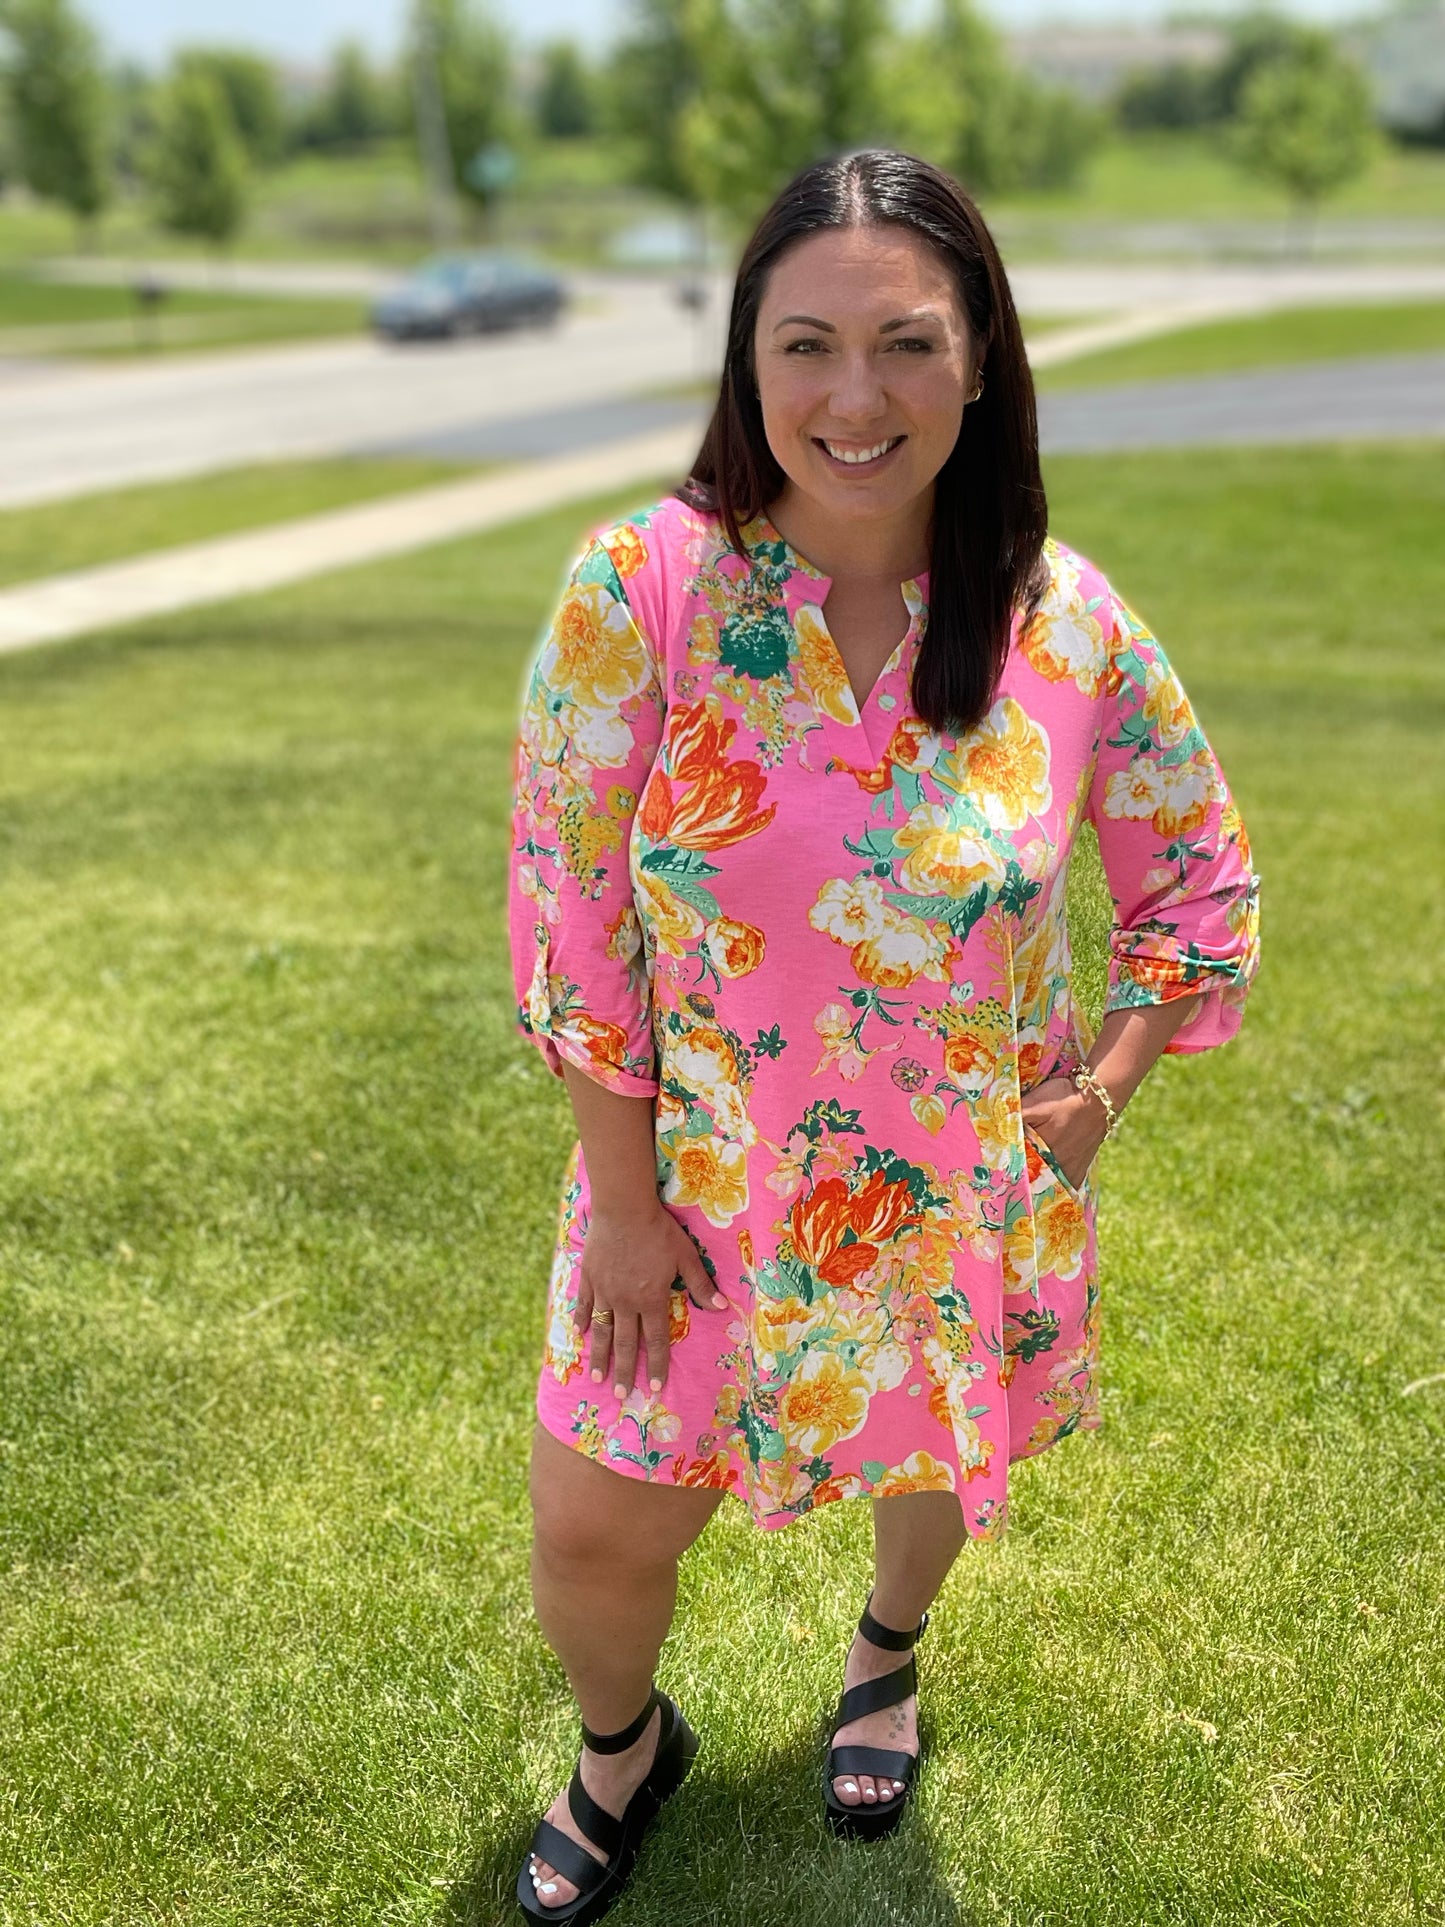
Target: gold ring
{"x":602,"y":1318}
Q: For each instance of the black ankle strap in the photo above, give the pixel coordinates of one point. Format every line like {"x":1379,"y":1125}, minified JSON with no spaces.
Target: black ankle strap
{"x":619,"y":1742}
{"x":885,"y":1636}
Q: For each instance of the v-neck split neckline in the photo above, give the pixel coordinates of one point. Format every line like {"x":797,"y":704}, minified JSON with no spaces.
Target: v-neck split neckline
{"x":861,"y":741}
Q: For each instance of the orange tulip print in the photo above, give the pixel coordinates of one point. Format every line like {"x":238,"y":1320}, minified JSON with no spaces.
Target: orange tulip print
{"x":719,"y":806}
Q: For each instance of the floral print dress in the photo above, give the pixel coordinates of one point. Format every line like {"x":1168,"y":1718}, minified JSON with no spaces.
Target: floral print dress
{"x":831,"y":946}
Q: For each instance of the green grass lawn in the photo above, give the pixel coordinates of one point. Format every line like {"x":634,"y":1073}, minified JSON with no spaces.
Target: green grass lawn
{"x":1259,"y":341}
{"x":1174,"y":177}
{"x":55,"y":317}
{"x":275,"y":1213}
{"x":89,"y":529}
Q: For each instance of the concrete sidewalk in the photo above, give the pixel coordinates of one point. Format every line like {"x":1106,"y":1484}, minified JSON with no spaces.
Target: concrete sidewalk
{"x":159,"y":584}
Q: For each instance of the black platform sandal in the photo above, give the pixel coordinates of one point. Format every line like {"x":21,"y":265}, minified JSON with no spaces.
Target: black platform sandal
{"x":599,"y":1885}
{"x":872,"y":1696}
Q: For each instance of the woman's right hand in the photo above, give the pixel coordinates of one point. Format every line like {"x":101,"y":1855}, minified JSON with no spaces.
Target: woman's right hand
{"x":630,"y":1259}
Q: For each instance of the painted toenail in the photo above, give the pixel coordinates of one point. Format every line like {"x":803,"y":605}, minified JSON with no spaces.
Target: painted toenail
{"x":849,"y":1786}
{"x":885,"y":1793}
{"x":550,"y":1888}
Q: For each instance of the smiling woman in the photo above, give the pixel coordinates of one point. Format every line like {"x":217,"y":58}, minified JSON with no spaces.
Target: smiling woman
{"x":802,"y":760}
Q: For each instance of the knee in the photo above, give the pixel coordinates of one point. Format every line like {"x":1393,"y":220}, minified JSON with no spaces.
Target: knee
{"x":578,"y":1511}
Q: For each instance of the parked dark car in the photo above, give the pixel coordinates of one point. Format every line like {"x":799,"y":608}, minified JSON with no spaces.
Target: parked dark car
{"x":455,"y":294}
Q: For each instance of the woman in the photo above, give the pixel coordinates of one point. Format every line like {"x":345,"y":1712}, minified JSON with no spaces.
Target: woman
{"x":802,"y":761}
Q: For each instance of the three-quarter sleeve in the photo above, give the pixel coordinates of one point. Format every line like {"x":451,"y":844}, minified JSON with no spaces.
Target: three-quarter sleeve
{"x":591,"y":723}
{"x":1174,"y":848}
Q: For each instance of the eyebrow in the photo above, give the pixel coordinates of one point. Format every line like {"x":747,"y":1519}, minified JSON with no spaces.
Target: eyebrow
{"x":884,"y":328}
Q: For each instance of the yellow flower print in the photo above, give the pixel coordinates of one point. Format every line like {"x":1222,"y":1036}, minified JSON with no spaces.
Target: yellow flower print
{"x":624,"y":935}
{"x":1004,"y":763}
{"x":905,"y":948}
{"x":709,"y":1172}
{"x":1175,"y":797}
{"x":1165,"y":706}
{"x":627,"y":549}
{"x":944,"y":858}
{"x":850,"y":911}
{"x":781,"y":1324}
{"x":594,"y":658}
{"x":702,"y":641}
{"x":825,"y":1401}
{"x":919,"y":1472}
{"x":996,"y":1119}
{"x":1065,"y":643}
{"x":675,"y":923}
{"x":929,"y":1111}
{"x":822,"y":666}
{"x":1062,"y":1233}
{"x":735,"y":948}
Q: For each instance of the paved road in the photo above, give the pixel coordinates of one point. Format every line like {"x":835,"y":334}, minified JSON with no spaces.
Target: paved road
{"x":68,"y":430}
{"x":1311,"y":402}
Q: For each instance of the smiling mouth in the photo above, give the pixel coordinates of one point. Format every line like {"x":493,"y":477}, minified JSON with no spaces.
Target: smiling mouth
{"x":860,"y":457}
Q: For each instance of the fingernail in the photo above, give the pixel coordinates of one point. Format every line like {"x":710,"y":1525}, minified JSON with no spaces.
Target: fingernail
{"x":619,"y":1391}
{"x":656,"y":1384}
{"x":597,"y":1378}
{"x":720,"y":1301}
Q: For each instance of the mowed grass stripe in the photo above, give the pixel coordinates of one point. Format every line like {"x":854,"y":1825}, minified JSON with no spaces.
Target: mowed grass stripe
{"x":275,"y":1218}
{"x":1282,"y":339}
{"x":53,"y":538}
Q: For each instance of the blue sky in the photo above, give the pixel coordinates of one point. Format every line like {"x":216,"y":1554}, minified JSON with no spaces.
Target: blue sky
{"x":303,"y":30}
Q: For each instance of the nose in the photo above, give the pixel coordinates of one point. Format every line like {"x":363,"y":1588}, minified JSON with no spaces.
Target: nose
{"x":857,"y":395}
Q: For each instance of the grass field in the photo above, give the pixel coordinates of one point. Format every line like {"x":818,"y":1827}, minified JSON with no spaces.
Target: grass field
{"x":275,"y":1213}
{"x":88,"y":529}
{"x":55,"y":317}
{"x":1259,"y":341}
{"x":1171,"y":177}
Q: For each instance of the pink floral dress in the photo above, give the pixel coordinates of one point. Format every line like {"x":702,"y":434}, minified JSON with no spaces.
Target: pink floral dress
{"x":832,"y":947}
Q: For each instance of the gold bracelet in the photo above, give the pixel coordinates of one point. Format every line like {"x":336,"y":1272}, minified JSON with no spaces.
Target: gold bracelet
{"x":1084,"y":1079}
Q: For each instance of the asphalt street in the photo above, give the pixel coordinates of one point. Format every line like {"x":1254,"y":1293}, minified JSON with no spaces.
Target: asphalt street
{"x":69,"y":429}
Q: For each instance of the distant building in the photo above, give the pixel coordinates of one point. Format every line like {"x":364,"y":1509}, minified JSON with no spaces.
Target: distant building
{"x":1092,"y":61}
{"x":1405,"y":57}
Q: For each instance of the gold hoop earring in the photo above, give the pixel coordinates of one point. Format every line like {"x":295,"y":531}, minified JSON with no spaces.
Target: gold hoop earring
{"x":977,"y":391}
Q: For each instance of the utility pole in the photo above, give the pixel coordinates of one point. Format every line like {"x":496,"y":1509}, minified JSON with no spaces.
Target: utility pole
{"x":431,"y":126}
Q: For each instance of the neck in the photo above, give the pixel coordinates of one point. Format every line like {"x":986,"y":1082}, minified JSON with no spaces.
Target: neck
{"x":895,"y":548}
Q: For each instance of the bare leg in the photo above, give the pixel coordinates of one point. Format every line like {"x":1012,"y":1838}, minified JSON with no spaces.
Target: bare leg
{"x":604,"y":1582}
{"x":916,"y":1538}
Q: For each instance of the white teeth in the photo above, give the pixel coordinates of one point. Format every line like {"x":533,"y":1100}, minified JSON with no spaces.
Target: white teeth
{"x":856,"y":455}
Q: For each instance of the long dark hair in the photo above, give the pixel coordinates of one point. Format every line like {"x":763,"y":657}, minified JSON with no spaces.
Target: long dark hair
{"x":990,"y":517}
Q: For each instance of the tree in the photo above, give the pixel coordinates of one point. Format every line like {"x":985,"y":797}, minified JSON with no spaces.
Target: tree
{"x":565,"y":107}
{"x":471,"y":62}
{"x":198,"y":162}
{"x":964,"y":106}
{"x":1305,"y":123}
{"x":781,"y":83}
{"x":354,"y":108}
{"x":57,"y":106}
{"x":652,"y":81}
{"x":248,"y":83}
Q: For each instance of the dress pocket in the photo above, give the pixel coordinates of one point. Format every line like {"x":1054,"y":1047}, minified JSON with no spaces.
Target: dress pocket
{"x":1075,"y":1191}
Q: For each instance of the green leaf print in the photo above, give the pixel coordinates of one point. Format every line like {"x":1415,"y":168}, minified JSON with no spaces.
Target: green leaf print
{"x":873,"y":1470}
{"x":770,"y":1043}
{"x":667,"y":861}
{"x":763,"y":1442}
{"x":701,"y":900}
{"x":598,"y":567}
{"x":1017,"y":891}
{"x":756,"y":645}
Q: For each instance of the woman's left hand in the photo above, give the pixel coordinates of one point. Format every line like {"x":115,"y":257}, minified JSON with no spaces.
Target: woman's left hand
{"x":1070,"y":1121}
